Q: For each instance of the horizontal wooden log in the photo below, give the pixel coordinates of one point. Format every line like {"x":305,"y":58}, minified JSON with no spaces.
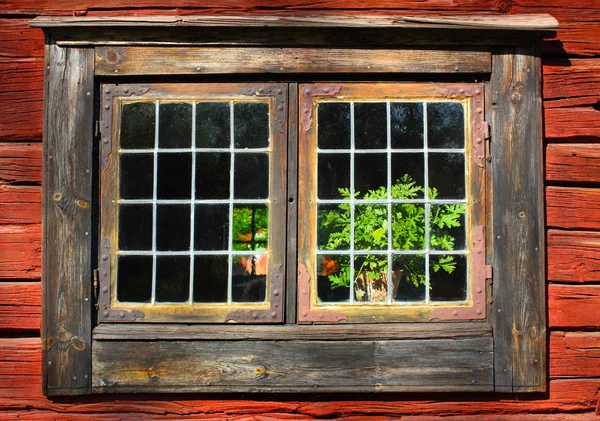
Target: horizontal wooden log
{"x":573,"y":162}
{"x":20,"y":369}
{"x":573,"y":208}
{"x":573,"y":306}
{"x":571,"y":122}
{"x":20,"y":251}
{"x":571,"y":82}
{"x":20,"y":204}
{"x":20,"y":305}
{"x":19,"y":40}
{"x":574,"y":354}
{"x":20,"y":162}
{"x":573,"y":256}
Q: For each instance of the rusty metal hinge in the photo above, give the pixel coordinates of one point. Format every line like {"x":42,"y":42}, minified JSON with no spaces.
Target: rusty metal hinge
{"x":97,"y":130}
{"x":96,"y":287}
{"x":486,"y":136}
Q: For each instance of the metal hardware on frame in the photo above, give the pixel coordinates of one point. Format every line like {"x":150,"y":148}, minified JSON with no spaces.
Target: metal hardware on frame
{"x":305,"y":314}
{"x":105,"y":313}
{"x":274,"y":314}
{"x":281,"y":106}
{"x":309,"y":92}
{"x":481,"y":271}
{"x":106,"y":112}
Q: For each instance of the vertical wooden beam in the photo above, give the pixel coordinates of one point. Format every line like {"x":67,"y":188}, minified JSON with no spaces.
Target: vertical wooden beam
{"x":67,"y":220}
{"x":518,"y":223}
{"x":291,"y":271}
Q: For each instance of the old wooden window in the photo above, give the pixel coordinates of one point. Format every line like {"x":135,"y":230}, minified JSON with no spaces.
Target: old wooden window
{"x":261,"y":214}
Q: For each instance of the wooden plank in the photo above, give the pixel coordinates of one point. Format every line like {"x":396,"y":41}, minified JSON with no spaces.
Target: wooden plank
{"x":19,"y":40}
{"x":20,"y":368}
{"x":518,"y":226}
{"x":573,"y":256}
{"x":20,"y":305}
{"x":291,"y":264}
{"x":293,"y":366}
{"x":573,"y":162}
{"x":67,"y":220}
{"x":573,"y":207}
{"x":20,"y":251}
{"x":571,"y":82}
{"x":573,"y":306}
{"x":570,"y":122}
{"x":574,"y":354}
{"x":20,"y":204}
{"x":21,"y":162}
{"x":209,"y":60}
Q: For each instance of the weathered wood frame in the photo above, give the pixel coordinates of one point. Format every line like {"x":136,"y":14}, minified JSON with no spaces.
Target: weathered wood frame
{"x":508,"y":354}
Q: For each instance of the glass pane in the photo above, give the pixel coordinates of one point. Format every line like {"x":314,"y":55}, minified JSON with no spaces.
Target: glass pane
{"x":407,"y":125}
{"x":173,"y":227}
{"x":445,"y":125}
{"x":212,"y":175}
{"x":136,"y":176}
{"x":251,"y":176}
{"x":408,"y":176}
{"x":408,"y":277}
{"x":213,"y":126}
{"x":134,"y":279}
{"x":249,"y":278}
{"x":333,"y":222}
{"x":172,"y":279}
{"x":370,"y":227}
{"x":135,"y":227}
{"x":174,"y":176}
{"x":370,"y":126}
{"x":370,"y":175}
{"x":334,"y":125}
{"x":211,"y":227}
{"x":333,"y":278}
{"x":250,"y":227}
{"x":137,"y":125}
{"x":210,"y":279}
{"x":408,"y":226}
{"x":446,"y":176}
{"x":448,"y":277}
{"x":251,"y":125}
{"x":175,"y":125}
{"x":334,"y":174}
{"x":447,"y":229}
{"x":371,"y":278}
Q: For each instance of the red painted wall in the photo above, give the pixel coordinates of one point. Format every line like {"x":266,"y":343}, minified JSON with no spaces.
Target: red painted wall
{"x":572,"y":132}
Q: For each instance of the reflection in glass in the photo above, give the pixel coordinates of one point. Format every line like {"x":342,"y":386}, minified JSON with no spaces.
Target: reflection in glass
{"x":175,"y":125}
{"x":212,"y":125}
{"x":408,"y":277}
{"x":250,"y":229}
{"x":408,"y":226}
{"x":370,"y":227}
{"x":447,"y":229}
{"x":249,"y":278}
{"x":211,"y":227}
{"x":172,"y":227}
{"x":174,"y":176}
{"x":411,"y":164}
{"x":251,"y":125}
{"x":370,"y":173}
{"x":210,"y":278}
{"x":135,"y":227}
{"x":334,"y":125}
{"x":448,"y":285}
{"x":137,"y":125}
{"x":134,"y":279}
{"x":445,"y":125}
{"x":407,"y":125}
{"x":334,"y":174}
{"x":333,"y":278}
{"x":251,"y":176}
{"x":371,"y":278}
{"x":333,"y":222}
{"x":136,"y":176}
{"x":370,"y":125}
{"x":172,"y":279}
{"x":212,"y":175}
{"x":447,"y":176}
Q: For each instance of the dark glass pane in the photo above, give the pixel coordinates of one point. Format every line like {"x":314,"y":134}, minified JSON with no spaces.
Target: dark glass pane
{"x":251,"y":176}
{"x":138,"y":125}
{"x":174,"y":176}
{"x":333,"y":222}
{"x":334,"y":125}
{"x":407,"y":125}
{"x":333,"y":278}
{"x":334,"y":174}
{"x":172,"y":279}
{"x":134,"y":279}
{"x":249,"y":278}
{"x":135,"y":227}
{"x":370,"y":227}
{"x":447,"y":230}
{"x":136,"y":175}
{"x":370,"y":173}
{"x":211,"y":227}
{"x":447,"y":175}
{"x":212,"y":125}
{"x":408,"y":278}
{"x":408,"y":226}
{"x":371,"y":278}
{"x":250,"y":227}
{"x":173,"y":227}
{"x":408,"y":176}
{"x":448,"y":277}
{"x":212,"y":175}
{"x":175,"y":125}
{"x":370,"y":126}
{"x":251,"y":125}
{"x":210,"y":279}
{"x":445,"y":125}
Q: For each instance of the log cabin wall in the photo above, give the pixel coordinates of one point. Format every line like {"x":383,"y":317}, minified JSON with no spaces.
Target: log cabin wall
{"x":572,"y":164}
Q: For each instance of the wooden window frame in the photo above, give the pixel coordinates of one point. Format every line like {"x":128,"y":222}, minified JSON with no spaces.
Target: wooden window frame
{"x":504,"y":353}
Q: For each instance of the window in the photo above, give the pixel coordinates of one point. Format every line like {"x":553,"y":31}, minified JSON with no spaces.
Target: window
{"x":257,"y":218}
